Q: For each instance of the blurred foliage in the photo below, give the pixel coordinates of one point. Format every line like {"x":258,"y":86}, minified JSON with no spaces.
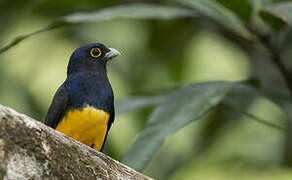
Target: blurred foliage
{"x":203,"y":88}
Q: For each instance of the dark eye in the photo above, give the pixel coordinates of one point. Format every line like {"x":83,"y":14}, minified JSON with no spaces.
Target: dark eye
{"x":95,"y":52}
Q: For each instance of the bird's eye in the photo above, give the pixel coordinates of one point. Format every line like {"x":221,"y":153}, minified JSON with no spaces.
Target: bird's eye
{"x":95,"y":52}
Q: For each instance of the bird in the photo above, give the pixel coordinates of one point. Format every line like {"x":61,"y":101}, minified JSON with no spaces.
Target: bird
{"x":83,"y":106}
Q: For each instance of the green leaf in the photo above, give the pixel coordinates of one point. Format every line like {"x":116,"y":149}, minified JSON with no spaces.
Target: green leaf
{"x":264,"y":122}
{"x":243,"y":93}
{"x":134,"y":103}
{"x":134,"y":11}
{"x":275,"y":22}
{"x":242,"y":96}
{"x":240,"y":7}
{"x":187,"y":105}
{"x":219,"y":14}
{"x":179,"y":109}
{"x":283,"y":102}
{"x":138,"y":11}
{"x":280,"y":11}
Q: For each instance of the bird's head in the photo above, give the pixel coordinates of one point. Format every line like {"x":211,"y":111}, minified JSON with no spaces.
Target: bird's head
{"x":91,"y":57}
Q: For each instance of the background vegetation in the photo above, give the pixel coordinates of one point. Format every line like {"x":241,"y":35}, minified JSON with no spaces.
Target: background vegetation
{"x":203,"y":88}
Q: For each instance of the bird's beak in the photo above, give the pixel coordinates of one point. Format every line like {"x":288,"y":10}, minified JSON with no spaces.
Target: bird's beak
{"x":112,"y":53}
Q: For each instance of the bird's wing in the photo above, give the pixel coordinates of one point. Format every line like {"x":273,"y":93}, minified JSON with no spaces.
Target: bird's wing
{"x":57,"y":108}
{"x":111,"y":118}
{"x":110,"y":121}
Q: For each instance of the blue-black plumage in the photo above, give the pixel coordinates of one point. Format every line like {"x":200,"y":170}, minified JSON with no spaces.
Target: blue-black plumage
{"x":83,"y":106}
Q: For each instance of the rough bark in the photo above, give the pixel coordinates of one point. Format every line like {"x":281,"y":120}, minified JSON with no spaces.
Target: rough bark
{"x":31,"y":150}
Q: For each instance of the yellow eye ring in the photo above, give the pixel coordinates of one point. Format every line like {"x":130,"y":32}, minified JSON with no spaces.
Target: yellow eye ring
{"x":95,"y":52}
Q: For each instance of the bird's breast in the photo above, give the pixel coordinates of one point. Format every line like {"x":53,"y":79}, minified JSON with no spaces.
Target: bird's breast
{"x":87,"y":125}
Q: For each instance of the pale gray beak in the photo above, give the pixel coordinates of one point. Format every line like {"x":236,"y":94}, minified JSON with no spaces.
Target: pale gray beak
{"x":112,"y":53}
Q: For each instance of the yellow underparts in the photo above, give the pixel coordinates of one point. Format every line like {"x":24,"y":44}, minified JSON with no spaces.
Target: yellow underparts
{"x":87,"y":125}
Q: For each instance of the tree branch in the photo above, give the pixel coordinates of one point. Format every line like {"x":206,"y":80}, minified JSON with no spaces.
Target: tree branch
{"x":31,"y":150}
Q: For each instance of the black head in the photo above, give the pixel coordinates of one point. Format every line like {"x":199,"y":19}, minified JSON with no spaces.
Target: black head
{"x":91,"y":58}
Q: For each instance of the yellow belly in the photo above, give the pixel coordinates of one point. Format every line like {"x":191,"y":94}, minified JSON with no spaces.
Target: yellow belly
{"x":87,"y":125}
